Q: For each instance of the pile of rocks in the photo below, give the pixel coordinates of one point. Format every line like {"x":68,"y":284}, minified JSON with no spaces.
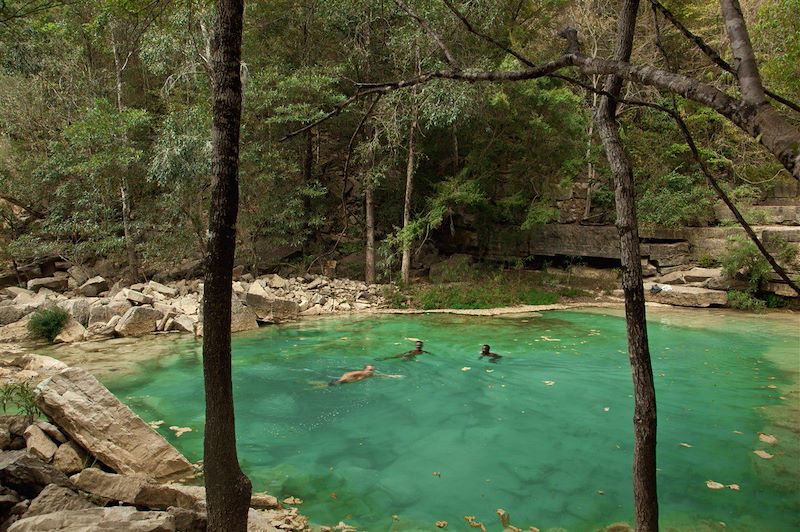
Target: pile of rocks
{"x":97,"y":311}
{"x":97,"y":465}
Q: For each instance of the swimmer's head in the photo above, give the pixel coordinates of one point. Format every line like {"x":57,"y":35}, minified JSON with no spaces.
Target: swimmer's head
{"x":369,"y":367}
{"x":418,"y":344}
{"x":485,"y":348}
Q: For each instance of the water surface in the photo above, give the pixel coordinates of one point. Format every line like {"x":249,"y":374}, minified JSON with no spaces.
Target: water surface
{"x":546,"y":433}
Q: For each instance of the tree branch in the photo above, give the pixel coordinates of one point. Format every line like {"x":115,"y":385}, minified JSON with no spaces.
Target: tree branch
{"x":350,"y":150}
{"x":525,"y":61}
{"x":712,"y":54}
{"x":425,"y":26}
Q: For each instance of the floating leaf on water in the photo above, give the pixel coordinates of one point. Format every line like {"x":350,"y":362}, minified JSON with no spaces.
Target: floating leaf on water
{"x":441,"y":524}
{"x":179,"y":431}
{"x":413,"y":339}
{"x":762,"y":454}
{"x":436,"y":474}
{"x":489,"y":371}
{"x":772,"y":387}
{"x":734,"y":487}
{"x":333,"y":495}
{"x":601,"y":492}
{"x":549,"y":383}
{"x":466,"y":368}
{"x":767,"y":438}
{"x":606,"y":408}
{"x":685,"y":444}
{"x":156,"y":424}
{"x":738,"y":432}
{"x":395,"y":517}
{"x":292,"y":500}
{"x":714,"y":485}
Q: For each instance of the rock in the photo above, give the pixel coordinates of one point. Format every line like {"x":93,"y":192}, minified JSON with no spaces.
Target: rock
{"x":5,"y":439}
{"x":17,"y":331}
{"x":189,"y":520}
{"x":100,"y":314}
{"x":27,"y":474}
{"x":119,"y":306}
{"x":117,"y":518}
{"x":138,"y":321}
{"x":38,"y":444}
{"x":242,"y":318}
{"x":138,"y":298}
{"x":671,"y":278}
{"x":187,"y":304}
{"x":162,"y":289}
{"x":276,"y":281}
{"x":686,"y":296}
{"x":15,"y":291}
{"x":52,"y":431}
{"x":93,"y":287}
{"x":162,"y":323}
{"x":56,"y":284}
{"x":316,"y":283}
{"x":137,"y":491}
{"x":72,"y":332}
{"x":263,"y":501}
{"x":182,"y":322}
{"x":12,"y":313}
{"x":70,"y":458}
{"x":80,"y":274}
{"x":39,"y":363}
{"x":8,"y":498}
{"x":55,"y":499}
{"x":269,"y":308}
{"x":78,"y":308}
{"x":101,"y":424}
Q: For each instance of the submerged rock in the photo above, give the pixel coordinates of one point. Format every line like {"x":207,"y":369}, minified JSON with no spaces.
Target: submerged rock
{"x":101,"y":424}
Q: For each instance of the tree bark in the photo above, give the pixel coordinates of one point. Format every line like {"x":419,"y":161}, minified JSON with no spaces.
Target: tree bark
{"x":227,"y":487}
{"x":405,"y":265}
{"x":369,"y":252}
{"x":644,"y":417}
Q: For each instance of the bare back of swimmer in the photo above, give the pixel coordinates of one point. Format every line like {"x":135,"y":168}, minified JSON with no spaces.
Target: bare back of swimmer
{"x":355,"y":376}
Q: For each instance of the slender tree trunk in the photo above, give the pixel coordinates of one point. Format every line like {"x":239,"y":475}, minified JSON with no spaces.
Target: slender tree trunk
{"x":644,"y":417}
{"x":134,"y":272}
{"x":227,"y":488}
{"x":405,"y":266}
{"x":369,"y":207}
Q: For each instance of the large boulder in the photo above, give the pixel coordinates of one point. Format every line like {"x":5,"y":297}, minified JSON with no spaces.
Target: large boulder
{"x":137,"y":491}
{"x":57,"y":284}
{"x":17,"y":331}
{"x":182,"y":322}
{"x":71,"y":332}
{"x":269,"y":308}
{"x":80,"y":274}
{"x":101,"y":424}
{"x":93,"y":287}
{"x":138,"y":321}
{"x":78,"y":308}
{"x":101,"y":314}
{"x":685,"y":296}
{"x":162,"y":289}
{"x":138,"y":298}
{"x":56,"y":499}
{"x":116,"y":518}
{"x":27,"y":474}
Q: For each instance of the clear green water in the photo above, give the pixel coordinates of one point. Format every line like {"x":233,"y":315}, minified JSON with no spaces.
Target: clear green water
{"x":497,"y":435}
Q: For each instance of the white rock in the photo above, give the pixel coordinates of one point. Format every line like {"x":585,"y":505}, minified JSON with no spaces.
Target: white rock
{"x":72,"y":332}
{"x":38,"y":444}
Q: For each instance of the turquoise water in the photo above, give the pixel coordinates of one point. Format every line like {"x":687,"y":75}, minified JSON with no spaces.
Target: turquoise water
{"x":546,"y":433}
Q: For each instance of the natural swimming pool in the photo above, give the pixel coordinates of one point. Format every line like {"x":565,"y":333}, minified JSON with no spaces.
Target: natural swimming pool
{"x":545,"y":433}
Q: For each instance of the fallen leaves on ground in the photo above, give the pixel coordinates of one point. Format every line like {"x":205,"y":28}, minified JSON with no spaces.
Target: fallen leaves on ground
{"x":292,"y":500}
{"x":179,"y":431}
{"x":734,"y":487}
{"x":714,"y":485}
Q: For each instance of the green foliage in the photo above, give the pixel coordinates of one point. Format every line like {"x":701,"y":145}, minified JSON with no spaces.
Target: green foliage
{"x":775,"y":301}
{"x":742,"y":257}
{"x":21,"y":398}
{"x":745,"y":301}
{"x":673,"y":200}
{"x":484,"y":295}
{"x":47,"y":323}
{"x":707,"y":261}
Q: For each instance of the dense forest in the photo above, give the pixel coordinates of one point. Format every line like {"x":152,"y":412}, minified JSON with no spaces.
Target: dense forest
{"x":105,"y":124}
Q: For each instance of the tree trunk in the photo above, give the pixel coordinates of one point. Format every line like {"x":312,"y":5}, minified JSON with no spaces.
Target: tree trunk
{"x":227,"y":488}
{"x":405,"y":266}
{"x":134,"y":272}
{"x":644,"y":417}
{"x":369,"y":206}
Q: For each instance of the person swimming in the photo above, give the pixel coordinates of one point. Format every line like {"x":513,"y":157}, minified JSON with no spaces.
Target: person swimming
{"x":360,"y":375}
{"x":493,"y":357}
{"x":410,"y":355}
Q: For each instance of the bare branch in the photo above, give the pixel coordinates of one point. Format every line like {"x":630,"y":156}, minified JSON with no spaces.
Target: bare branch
{"x":424,"y":25}
{"x":522,"y":59}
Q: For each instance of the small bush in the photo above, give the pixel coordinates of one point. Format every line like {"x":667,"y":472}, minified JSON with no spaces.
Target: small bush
{"x":745,"y":301}
{"x":743,"y":256}
{"x":21,"y":397}
{"x":775,"y":301}
{"x":707,"y":261}
{"x":48,"y":323}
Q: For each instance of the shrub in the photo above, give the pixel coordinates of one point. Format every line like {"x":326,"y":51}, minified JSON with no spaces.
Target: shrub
{"x":743,"y":257}
{"x":21,"y":397}
{"x":48,"y":323}
{"x":745,"y":301}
